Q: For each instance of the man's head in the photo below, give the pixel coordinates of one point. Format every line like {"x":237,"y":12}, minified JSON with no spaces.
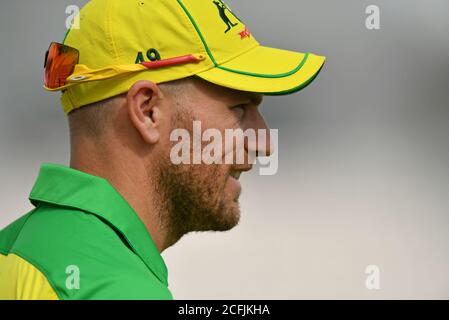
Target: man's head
{"x":139,"y":61}
{"x":134,"y":129}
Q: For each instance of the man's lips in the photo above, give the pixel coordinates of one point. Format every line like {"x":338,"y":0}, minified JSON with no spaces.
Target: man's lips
{"x":235,"y":175}
{"x":235,"y":185}
{"x":237,"y":171}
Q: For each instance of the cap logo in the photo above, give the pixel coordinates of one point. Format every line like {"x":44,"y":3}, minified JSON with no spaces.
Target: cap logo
{"x":222,"y":11}
{"x":245,"y":33}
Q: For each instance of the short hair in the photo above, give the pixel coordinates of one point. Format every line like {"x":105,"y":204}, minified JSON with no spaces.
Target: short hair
{"x":93,"y":120}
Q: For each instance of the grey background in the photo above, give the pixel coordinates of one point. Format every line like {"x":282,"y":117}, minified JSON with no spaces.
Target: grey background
{"x":363,"y":176}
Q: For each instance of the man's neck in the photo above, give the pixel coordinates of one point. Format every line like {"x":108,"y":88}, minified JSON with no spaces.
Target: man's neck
{"x":134,"y":187}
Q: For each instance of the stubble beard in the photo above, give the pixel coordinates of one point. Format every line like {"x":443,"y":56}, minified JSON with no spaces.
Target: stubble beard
{"x":191,"y":197}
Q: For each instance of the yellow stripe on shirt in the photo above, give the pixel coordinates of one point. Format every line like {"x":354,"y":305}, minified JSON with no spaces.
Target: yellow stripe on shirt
{"x":20,"y":280}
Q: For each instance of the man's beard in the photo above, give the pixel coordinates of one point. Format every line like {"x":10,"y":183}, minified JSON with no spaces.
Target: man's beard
{"x":192,"y":197}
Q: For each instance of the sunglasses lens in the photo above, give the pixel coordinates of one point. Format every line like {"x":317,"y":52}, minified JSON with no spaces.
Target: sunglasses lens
{"x":60,"y":61}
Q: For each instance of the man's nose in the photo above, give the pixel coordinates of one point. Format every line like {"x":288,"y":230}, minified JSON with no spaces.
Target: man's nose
{"x":262,"y":146}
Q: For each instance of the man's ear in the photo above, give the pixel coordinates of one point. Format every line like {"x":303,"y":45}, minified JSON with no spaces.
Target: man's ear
{"x":143,"y":102}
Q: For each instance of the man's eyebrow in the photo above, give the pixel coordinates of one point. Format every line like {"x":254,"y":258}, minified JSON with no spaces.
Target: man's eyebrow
{"x":251,"y":97}
{"x":256,"y":98}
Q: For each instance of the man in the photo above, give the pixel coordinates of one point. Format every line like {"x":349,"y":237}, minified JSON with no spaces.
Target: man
{"x":132,"y":74}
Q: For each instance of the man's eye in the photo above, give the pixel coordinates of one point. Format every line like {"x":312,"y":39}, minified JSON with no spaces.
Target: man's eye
{"x":240,"y":110}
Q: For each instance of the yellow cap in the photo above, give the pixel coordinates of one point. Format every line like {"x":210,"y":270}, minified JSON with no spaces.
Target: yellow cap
{"x":123,"y":33}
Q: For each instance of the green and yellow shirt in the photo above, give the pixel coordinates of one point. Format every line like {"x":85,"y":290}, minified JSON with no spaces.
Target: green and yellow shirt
{"x":81,"y":241}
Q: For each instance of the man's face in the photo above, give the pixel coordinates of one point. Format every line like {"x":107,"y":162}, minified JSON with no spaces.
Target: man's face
{"x":202,"y":197}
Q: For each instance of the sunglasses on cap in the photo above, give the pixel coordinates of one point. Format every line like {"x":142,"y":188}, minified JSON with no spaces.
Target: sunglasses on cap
{"x":62,"y":68}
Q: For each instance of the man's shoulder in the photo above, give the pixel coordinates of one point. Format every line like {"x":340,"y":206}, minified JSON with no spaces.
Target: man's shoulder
{"x":49,"y":230}
{"x":81,"y":255}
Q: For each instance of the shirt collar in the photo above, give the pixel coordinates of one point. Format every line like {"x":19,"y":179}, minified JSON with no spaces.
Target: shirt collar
{"x":61,"y":185}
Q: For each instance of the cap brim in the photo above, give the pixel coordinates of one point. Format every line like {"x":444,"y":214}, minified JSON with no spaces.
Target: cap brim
{"x":266,"y":70}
